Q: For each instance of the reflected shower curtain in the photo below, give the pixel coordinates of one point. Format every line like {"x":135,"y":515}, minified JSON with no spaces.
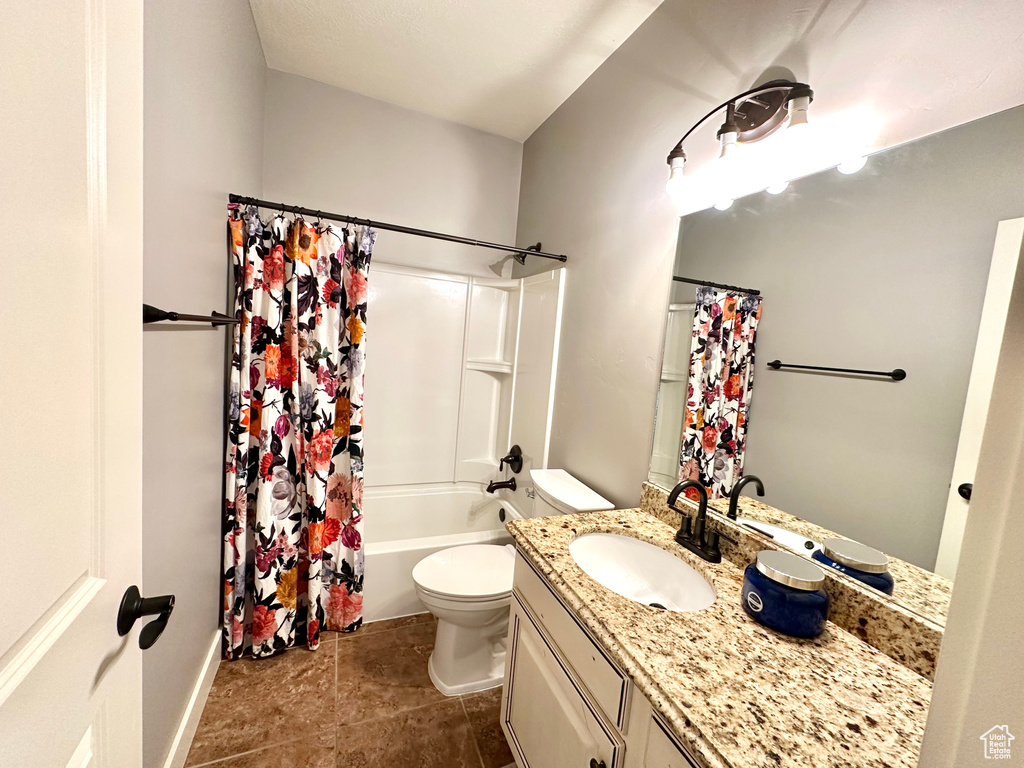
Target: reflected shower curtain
{"x":720,"y":384}
{"x":293,"y":560}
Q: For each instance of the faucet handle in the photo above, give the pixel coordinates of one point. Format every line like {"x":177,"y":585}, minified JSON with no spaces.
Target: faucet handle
{"x":684,"y":532}
{"x":714,"y":535}
{"x":514,"y":459}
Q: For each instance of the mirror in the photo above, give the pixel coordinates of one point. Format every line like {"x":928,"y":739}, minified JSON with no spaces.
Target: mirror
{"x":895,"y":266}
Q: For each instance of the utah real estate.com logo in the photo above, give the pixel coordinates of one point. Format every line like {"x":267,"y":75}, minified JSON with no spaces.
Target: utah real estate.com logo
{"x":996,"y":741}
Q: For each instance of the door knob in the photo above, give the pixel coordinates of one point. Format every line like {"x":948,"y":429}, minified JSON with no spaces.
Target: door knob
{"x":595,"y":764}
{"x":134,"y":606}
{"x":965,"y":489}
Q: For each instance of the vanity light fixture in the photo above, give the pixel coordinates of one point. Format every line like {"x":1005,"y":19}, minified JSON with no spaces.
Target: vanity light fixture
{"x":777,"y":107}
{"x":749,"y":117}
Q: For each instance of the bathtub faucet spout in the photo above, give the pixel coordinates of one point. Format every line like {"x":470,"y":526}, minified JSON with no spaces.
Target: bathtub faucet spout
{"x":495,"y":485}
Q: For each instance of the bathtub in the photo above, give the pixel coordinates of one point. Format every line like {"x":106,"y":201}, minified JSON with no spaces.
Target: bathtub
{"x":404,"y":524}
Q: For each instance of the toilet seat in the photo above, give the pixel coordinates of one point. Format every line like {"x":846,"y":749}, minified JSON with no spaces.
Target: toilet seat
{"x":468,"y":573}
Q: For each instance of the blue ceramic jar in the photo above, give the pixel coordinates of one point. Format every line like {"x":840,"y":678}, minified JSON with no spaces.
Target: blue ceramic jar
{"x":858,"y":560}
{"x":784,"y":591}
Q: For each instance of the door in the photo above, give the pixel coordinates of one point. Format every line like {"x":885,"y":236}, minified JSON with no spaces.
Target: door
{"x":1005,"y":254}
{"x":70,"y":378}
{"x":546,"y":719}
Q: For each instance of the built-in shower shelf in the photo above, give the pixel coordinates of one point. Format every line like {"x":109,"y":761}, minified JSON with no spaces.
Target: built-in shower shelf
{"x":489,"y":366}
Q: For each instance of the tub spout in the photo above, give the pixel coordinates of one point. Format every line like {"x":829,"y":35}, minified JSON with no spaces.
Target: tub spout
{"x":496,"y":485}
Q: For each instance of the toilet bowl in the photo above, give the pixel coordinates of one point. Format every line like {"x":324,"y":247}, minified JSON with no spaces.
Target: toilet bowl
{"x":469,"y":590}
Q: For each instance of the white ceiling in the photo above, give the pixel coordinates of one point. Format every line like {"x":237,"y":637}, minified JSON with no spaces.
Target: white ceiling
{"x":500,"y":65}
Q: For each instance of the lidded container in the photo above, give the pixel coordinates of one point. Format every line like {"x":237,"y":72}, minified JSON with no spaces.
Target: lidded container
{"x":858,"y":560}
{"x":559,"y":493}
{"x":785,"y":592}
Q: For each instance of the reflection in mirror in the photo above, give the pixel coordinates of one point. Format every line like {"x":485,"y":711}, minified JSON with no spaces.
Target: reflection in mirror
{"x":668,"y":422}
{"x":895,"y":266}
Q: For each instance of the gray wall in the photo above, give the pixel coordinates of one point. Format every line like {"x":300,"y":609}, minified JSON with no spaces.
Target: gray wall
{"x":882,"y":269}
{"x":328,"y":148}
{"x":204,"y":75}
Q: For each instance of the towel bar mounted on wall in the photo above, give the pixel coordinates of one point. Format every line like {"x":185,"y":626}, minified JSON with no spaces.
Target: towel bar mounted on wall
{"x":896,"y":374}
{"x":151,"y":314}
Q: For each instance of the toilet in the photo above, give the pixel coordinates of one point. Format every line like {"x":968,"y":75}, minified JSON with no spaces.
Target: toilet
{"x":559,"y":493}
{"x":469,"y":589}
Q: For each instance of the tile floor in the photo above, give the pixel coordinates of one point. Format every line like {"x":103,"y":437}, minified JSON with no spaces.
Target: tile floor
{"x":363,"y":700}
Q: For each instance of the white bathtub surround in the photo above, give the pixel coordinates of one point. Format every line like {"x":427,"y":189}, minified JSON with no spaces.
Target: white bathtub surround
{"x":469,"y":370}
{"x":405,"y":524}
{"x":468,"y":589}
{"x":465,"y":368}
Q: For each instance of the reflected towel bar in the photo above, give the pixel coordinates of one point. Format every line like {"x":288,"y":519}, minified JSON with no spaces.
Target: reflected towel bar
{"x":896,"y":374}
{"x":151,"y":314}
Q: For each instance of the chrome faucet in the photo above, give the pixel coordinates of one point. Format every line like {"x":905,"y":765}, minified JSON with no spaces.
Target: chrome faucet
{"x":699,"y":540}
{"x":734,"y":497}
{"x":497,"y":485}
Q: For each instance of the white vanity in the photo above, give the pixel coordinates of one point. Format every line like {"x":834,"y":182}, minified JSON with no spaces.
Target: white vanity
{"x":565,"y":703}
{"x":600,"y":675}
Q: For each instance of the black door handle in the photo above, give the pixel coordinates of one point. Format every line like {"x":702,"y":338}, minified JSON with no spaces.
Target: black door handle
{"x":965,"y":489}
{"x":134,"y":606}
{"x":595,"y":764}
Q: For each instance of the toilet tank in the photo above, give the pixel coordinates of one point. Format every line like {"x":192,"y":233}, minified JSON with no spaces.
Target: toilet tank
{"x":559,"y":493}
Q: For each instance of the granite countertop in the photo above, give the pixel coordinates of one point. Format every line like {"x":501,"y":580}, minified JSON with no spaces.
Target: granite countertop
{"x":920,"y":590}
{"x":737,"y":694}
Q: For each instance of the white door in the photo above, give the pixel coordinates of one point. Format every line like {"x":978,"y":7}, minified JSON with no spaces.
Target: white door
{"x":70,"y":380}
{"x":1005,"y":254}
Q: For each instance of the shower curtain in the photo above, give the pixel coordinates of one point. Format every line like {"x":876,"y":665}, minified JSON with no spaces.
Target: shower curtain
{"x":718,"y":394}
{"x":293,"y":561}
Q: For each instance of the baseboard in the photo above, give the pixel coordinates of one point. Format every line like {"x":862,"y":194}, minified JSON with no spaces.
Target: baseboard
{"x":190,"y":719}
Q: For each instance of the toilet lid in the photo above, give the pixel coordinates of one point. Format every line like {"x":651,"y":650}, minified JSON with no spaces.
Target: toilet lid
{"x":473,"y":570}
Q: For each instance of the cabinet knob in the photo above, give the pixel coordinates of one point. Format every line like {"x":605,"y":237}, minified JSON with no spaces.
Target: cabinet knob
{"x":595,"y":764}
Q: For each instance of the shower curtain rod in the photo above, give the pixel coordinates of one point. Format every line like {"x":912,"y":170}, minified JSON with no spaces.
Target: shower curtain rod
{"x":243,"y":200}
{"x":724,"y":287}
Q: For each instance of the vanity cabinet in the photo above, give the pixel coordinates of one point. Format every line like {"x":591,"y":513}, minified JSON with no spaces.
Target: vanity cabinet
{"x":565,"y":704}
{"x":548,"y":719}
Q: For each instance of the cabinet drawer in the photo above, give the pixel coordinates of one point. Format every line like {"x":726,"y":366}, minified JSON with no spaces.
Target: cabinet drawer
{"x":663,"y":751}
{"x":547,"y":720}
{"x":606,"y":685}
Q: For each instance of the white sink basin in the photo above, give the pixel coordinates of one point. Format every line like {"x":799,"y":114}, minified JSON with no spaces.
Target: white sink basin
{"x":786,"y":538}
{"x":641,"y":572}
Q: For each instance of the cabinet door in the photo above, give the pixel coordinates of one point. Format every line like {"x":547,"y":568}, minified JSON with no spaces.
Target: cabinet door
{"x":663,"y":751}
{"x":547,"y":720}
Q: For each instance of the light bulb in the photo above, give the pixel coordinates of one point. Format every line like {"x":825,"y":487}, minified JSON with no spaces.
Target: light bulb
{"x":723,"y":205}
{"x":852,"y":164}
{"x":777,"y":188}
{"x":728,"y":140}
{"x":676,"y":184}
{"x":798,"y":113}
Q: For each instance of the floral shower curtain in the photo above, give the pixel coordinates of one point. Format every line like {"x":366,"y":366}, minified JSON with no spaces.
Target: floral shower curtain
{"x":293,"y":560}
{"x":720,"y":384}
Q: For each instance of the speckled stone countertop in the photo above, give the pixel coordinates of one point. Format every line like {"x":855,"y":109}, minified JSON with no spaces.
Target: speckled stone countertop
{"x":737,"y":694}
{"x":919,"y":590}
{"x":902,"y":634}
